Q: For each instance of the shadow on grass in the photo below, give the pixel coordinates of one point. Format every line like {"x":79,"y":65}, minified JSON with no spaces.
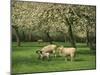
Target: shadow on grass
{"x":33,"y":59}
{"x":25,"y":60}
{"x":26,"y":48}
{"x":87,"y":52}
{"x":30,"y":46}
{"x":36,"y":44}
{"x":79,"y":59}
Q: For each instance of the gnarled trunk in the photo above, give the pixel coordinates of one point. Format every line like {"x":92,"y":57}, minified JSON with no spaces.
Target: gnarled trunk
{"x":71,"y":33}
{"x":49,"y":38}
{"x":17,"y":36}
{"x":30,"y":36}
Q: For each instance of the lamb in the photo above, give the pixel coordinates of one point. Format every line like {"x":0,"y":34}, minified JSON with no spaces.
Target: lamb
{"x":67,"y":51}
{"x":49,"y":48}
{"x":46,"y":51}
{"x":43,"y":55}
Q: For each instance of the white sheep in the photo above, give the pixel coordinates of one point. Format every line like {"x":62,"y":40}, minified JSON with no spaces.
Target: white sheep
{"x":67,"y":52}
{"x":46,"y":51}
{"x":49,"y":48}
{"x":45,"y":55}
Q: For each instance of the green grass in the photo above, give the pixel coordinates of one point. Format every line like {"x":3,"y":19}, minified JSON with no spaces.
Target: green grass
{"x":24,"y":59}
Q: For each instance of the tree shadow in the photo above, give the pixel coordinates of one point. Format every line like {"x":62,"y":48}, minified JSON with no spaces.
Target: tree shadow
{"x":31,"y":46}
{"x":31,"y":60}
{"x":79,"y":59}
{"x":87,"y":52}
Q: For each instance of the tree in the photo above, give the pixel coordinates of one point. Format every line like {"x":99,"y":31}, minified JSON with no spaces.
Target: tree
{"x":86,"y":23}
{"x":49,"y":18}
{"x":16,"y":34}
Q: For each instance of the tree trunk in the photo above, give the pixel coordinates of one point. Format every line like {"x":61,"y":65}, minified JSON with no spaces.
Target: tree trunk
{"x":17,"y":36}
{"x":87,"y":37}
{"x":71,"y":36}
{"x":23,"y":36}
{"x":30,"y":36}
{"x":65,"y":38}
{"x":49,"y":38}
{"x":92,"y":44}
{"x":90,"y":40}
{"x":71,"y":33}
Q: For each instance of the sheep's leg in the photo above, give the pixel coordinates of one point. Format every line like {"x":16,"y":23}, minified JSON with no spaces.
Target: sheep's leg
{"x":55,"y":55}
{"x":60,"y":53}
{"x":42,"y":57}
{"x":48,"y":58}
{"x":71,"y":59}
{"x":72,"y":55}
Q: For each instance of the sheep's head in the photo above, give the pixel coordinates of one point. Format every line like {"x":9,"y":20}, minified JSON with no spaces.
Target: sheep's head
{"x":38,"y":51}
{"x":60,"y":48}
{"x":39,"y":54}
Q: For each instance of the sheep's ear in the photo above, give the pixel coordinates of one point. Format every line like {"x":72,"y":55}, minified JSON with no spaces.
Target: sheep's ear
{"x":37,"y":51}
{"x":41,"y":52}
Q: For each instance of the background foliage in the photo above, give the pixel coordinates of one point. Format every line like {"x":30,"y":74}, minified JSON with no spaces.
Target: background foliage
{"x":32,"y":21}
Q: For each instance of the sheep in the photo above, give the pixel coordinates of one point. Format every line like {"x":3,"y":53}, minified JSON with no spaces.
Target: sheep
{"x":43,"y":55}
{"x":67,"y":51}
{"x":46,"y":51}
{"x":49,"y":48}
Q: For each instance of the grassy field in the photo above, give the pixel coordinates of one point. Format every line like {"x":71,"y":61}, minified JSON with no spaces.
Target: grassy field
{"x":24,"y":59}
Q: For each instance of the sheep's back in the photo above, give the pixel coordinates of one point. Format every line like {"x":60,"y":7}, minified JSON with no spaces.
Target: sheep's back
{"x":68,"y":50}
{"x":48,"y":48}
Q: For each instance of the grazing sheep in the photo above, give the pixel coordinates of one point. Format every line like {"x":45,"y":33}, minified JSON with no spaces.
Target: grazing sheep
{"x":67,"y":51}
{"x":46,"y":51}
{"x":49,"y":48}
{"x":43,"y":55}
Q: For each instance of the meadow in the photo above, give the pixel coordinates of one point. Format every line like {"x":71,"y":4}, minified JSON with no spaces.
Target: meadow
{"x":24,"y":59}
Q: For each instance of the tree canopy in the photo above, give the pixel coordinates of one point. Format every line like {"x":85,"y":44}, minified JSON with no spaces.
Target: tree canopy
{"x":78,"y":20}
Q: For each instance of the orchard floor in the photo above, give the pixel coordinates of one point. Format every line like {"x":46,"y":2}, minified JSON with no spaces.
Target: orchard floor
{"x":24,"y":59}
